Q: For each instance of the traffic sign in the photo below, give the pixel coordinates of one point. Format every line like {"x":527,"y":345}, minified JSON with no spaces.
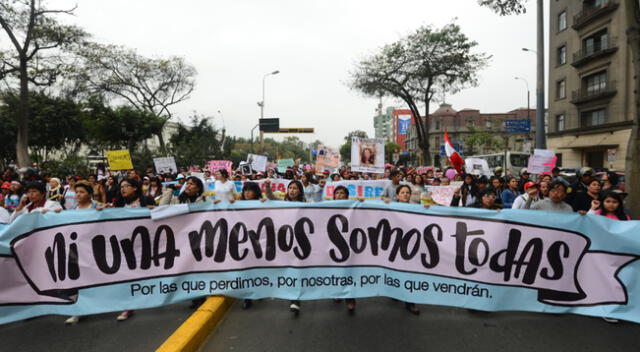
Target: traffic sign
{"x":517,"y":126}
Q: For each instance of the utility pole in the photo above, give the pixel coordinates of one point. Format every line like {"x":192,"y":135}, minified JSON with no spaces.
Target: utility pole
{"x":541,"y":138}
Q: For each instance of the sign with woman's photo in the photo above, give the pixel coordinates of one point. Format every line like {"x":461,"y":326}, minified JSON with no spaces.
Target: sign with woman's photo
{"x":367,"y":155}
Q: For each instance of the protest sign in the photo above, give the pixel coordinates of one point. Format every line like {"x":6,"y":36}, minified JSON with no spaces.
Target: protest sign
{"x":477,"y":166}
{"x":542,"y":161}
{"x":214,"y":165}
{"x":358,"y":189}
{"x":165,"y":165}
{"x":442,"y":195}
{"x":328,"y":159}
{"x":278,"y":187}
{"x":367,"y":155}
{"x":422,"y":170}
{"x":119,"y":160}
{"x":87,"y":262}
{"x":283,"y":164}
{"x":257,"y":162}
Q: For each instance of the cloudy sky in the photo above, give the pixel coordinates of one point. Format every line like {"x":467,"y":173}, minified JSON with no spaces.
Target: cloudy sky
{"x":314,"y":44}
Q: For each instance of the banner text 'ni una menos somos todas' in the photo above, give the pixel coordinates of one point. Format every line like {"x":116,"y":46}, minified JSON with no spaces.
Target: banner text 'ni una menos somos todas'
{"x":85,"y":262}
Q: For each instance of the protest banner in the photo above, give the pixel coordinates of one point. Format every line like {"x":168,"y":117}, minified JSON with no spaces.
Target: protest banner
{"x":328,"y":159}
{"x":542,"y":161}
{"x":88,"y":262}
{"x":165,"y":165}
{"x":258,"y":162}
{"x":283,"y":164}
{"x":422,"y":170}
{"x":477,"y":166}
{"x":358,"y":189}
{"x":119,"y":160}
{"x":367,"y":155}
{"x":213,"y":165}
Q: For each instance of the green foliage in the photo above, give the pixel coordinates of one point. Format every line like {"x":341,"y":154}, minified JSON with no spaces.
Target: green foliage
{"x":505,"y":7}
{"x":69,"y":166}
{"x":479,"y":138}
{"x":120,"y":127}
{"x":196,"y":144}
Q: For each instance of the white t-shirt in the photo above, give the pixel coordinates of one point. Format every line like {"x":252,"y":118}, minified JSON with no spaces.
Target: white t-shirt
{"x":225,"y":191}
{"x":5,"y":217}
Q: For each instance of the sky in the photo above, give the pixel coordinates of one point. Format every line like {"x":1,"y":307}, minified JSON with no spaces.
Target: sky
{"x":314,"y":45}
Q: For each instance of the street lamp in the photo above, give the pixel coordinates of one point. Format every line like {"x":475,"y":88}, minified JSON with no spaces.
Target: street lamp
{"x":261,"y":105}
{"x":528,"y":95}
{"x":541,"y":138}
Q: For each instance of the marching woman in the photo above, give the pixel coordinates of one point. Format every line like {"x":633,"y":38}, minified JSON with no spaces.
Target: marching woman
{"x":83,"y":192}
{"x":403,"y":194}
{"x":250,"y":191}
{"x":35,"y":200}
{"x":225,"y":189}
{"x":342,"y":193}
{"x":56,"y":192}
{"x":99,"y":194}
{"x":582,"y":200}
{"x":130,"y":197}
{"x":295,"y":193}
{"x":417,"y":188}
{"x":468,"y":191}
{"x":510,"y":194}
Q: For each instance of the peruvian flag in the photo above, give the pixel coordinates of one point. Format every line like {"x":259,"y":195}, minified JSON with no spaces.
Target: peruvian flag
{"x":453,"y":156}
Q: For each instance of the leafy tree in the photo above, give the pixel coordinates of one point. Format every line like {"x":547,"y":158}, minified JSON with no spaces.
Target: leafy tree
{"x":632,"y":167}
{"x":479,"y":138}
{"x":415,"y":68}
{"x":123,"y":126}
{"x":33,"y":32}
{"x":149,"y":85}
{"x":55,"y":124}
{"x":197,"y":143}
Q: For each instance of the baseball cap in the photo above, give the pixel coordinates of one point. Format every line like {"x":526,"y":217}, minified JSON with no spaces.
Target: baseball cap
{"x":6,"y":185}
{"x":529,"y":185}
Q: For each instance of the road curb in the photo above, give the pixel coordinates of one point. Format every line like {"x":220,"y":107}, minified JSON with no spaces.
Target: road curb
{"x":192,"y":333}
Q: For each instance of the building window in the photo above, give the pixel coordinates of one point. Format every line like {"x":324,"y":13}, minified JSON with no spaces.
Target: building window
{"x":595,"y":83}
{"x":562,"y":21}
{"x":436,"y":142}
{"x":561,"y":89}
{"x":560,"y":122}
{"x":469,"y":122}
{"x":488,"y":123}
{"x":594,"y":118}
{"x":438,"y":124}
{"x":595,"y":43}
{"x":562,"y":55}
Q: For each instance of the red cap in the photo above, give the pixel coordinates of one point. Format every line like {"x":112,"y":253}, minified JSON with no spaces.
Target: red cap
{"x":529,"y":185}
{"x":6,"y":185}
{"x":325,"y":172}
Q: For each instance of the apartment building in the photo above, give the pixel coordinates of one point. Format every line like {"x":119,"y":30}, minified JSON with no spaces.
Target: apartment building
{"x":591,"y":97}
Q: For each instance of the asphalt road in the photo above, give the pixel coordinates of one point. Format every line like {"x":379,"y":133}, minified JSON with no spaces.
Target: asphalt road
{"x":381,"y":324}
{"x":146,"y":330}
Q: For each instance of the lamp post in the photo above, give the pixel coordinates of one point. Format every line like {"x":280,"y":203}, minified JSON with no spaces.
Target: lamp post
{"x":261,"y":105}
{"x":541,"y":138}
{"x":528,"y":96}
{"x":223,"y":131}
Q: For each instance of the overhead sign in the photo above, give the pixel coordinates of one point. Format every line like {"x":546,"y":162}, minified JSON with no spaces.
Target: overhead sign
{"x":518,"y":126}
{"x":294,"y":130}
{"x":269,"y":125}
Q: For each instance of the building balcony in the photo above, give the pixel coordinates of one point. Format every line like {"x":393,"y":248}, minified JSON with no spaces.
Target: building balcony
{"x":590,"y":13}
{"x":585,"y":55}
{"x":584,"y":94}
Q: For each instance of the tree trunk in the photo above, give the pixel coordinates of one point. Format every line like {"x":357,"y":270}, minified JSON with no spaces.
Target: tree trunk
{"x":425,"y":145}
{"x":632,"y":162}
{"x":22,"y":145}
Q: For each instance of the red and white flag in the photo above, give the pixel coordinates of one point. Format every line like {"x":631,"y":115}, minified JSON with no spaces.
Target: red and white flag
{"x":452,"y":154}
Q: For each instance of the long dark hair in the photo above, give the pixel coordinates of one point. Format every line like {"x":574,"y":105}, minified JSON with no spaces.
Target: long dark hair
{"x":121,"y":201}
{"x":185,"y":198}
{"x":619,"y":213}
{"x":340,"y":188}
{"x":300,"y":197}
{"x":251,"y":186}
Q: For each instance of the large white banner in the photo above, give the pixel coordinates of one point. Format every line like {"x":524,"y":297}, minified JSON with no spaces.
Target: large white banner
{"x":367,"y":155}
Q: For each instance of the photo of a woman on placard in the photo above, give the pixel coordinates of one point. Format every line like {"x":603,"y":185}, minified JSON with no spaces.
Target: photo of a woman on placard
{"x":367,"y":154}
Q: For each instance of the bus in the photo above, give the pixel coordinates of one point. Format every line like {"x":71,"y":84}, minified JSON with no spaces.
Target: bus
{"x":515,"y":161}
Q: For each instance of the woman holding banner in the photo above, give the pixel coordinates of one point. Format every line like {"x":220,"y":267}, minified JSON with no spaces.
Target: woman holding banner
{"x":468,"y":193}
{"x":509,"y":195}
{"x":417,"y":188}
{"x":295,"y":193}
{"x":310,"y":190}
{"x":193,"y":192}
{"x":251,"y":191}
{"x":403,"y":195}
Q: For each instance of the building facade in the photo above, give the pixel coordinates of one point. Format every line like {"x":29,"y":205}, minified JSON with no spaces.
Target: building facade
{"x":591,"y":93}
{"x":472,"y":132}
{"x":382,"y":123}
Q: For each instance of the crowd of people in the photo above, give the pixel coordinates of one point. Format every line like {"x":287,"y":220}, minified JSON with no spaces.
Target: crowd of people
{"x":31,"y":190}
